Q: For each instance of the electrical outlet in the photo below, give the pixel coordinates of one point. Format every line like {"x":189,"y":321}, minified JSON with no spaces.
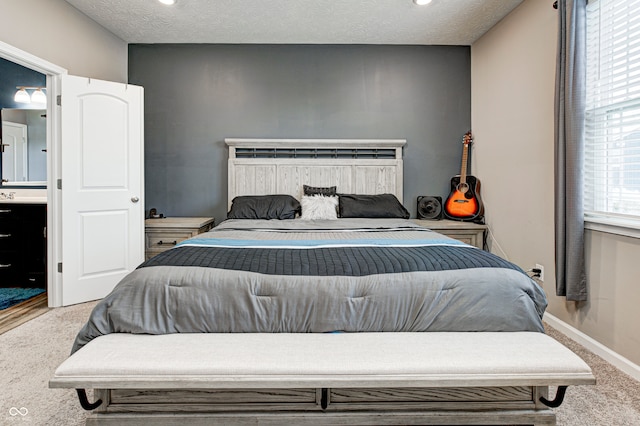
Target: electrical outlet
{"x":541,"y":276}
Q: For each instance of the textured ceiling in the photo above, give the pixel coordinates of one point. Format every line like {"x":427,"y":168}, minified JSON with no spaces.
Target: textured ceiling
{"x":443,"y":22}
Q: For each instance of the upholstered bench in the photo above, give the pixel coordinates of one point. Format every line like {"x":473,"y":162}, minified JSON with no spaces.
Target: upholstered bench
{"x":337,"y":378}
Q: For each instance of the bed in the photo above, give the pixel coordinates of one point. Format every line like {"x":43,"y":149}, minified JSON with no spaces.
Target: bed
{"x":318,"y":302}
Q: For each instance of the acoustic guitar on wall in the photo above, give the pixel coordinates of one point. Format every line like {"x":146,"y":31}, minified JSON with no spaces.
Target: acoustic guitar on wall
{"x":464,"y":201}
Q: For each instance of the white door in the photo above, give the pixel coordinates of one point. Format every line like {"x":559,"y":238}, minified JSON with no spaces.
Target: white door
{"x":14,"y":154}
{"x":101,"y":185}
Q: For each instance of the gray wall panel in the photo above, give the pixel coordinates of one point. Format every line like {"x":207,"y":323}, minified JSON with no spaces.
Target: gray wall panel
{"x":197,"y":95}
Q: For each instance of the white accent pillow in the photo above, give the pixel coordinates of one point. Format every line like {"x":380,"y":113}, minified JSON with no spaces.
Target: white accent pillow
{"x":319,"y":207}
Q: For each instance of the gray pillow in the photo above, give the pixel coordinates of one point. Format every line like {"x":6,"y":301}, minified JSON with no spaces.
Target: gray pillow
{"x":371,"y":206}
{"x":264,"y":207}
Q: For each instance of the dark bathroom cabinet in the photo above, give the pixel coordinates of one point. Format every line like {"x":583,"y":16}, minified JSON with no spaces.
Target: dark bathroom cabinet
{"x":23,"y":245}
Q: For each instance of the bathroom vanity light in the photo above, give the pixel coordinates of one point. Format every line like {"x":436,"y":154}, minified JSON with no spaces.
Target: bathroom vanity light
{"x":23,"y":97}
{"x":38,"y":97}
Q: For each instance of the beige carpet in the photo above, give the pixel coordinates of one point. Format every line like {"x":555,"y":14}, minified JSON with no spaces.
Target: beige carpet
{"x":615,"y":400}
{"x":30,"y":353}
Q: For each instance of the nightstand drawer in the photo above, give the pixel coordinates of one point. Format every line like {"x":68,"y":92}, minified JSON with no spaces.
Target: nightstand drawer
{"x":163,"y":234}
{"x":467,"y":232}
{"x":467,"y":239}
{"x":165,"y":240}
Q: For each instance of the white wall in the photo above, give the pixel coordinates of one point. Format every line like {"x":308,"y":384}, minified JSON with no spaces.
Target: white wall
{"x":512,"y":79}
{"x":60,"y":34}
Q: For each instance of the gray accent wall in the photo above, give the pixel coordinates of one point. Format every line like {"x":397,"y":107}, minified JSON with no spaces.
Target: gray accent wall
{"x":198,"y":95}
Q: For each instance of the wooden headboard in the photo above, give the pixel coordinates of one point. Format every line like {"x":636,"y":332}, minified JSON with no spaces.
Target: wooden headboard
{"x":283,"y":166}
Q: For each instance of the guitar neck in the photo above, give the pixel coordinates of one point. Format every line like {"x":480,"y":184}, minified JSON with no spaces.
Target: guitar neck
{"x":463,"y":169}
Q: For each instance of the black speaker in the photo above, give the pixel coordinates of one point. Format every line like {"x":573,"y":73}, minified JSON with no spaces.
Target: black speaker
{"x":429,"y":207}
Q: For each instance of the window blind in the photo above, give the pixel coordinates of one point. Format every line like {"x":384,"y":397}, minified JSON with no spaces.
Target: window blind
{"x":612,"y":127}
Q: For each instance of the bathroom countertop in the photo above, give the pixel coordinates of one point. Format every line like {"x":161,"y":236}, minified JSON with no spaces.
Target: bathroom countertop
{"x":25,"y":200}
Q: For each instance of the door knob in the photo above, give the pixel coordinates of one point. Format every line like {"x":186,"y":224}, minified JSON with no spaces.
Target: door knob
{"x":135,"y":199}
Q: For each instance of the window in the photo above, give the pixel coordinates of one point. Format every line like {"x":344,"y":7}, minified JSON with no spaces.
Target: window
{"x":612,"y":132}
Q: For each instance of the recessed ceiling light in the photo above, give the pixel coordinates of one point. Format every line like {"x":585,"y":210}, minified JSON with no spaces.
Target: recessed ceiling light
{"x":421,"y":2}
{"x":168,"y":2}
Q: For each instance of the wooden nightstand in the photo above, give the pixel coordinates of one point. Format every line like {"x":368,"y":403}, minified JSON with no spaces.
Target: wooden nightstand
{"x":467,"y":232}
{"x":162,"y":234}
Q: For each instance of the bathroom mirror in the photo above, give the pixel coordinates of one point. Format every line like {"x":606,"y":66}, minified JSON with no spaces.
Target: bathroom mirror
{"x":24,"y":147}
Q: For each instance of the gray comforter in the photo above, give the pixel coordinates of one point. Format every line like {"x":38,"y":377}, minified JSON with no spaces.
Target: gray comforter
{"x":348,"y":275}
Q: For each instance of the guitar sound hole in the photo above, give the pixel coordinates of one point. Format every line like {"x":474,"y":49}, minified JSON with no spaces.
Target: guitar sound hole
{"x":463,"y":187}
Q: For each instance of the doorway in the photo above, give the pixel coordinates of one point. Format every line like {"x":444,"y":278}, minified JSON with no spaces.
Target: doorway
{"x":15,"y":140}
{"x":23,"y":260}
{"x":53,"y":74}
{"x":90,"y":271}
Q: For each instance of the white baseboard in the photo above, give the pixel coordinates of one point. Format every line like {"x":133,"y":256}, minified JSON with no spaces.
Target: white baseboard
{"x":594,"y":346}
